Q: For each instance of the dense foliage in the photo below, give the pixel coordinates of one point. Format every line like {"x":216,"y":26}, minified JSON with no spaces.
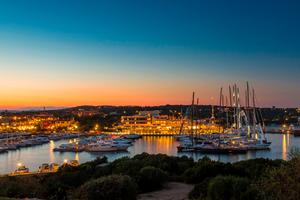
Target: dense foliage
{"x":151,"y":178}
{"x":109,"y":188}
{"x":258,"y":179}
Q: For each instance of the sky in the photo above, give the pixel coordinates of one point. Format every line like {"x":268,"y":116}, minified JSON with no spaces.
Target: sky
{"x":149,"y":52}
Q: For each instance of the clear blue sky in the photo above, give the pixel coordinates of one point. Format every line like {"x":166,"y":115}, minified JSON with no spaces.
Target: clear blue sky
{"x":59,"y":53}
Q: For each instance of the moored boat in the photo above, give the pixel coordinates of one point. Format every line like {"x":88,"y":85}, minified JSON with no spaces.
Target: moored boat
{"x":296,"y":131}
{"x":21,"y":170}
{"x":104,"y":147}
{"x":69,"y":148}
{"x":132,"y":136}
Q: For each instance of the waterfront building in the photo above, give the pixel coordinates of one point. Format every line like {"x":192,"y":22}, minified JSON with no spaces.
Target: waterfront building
{"x":152,"y":122}
{"x":38,"y":122}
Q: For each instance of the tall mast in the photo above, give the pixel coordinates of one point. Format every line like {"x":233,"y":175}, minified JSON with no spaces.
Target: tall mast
{"x":221,"y":94}
{"x":192,"y":113}
{"x":223,"y":100}
{"x":230,"y":97}
{"x":230,"y":102}
{"x":226,"y":109}
{"x":254,"y":105}
{"x":238,"y":108}
{"x":254,"y":112}
{"x":221,"y":104}
{"x":197,"y":113}
{"x":234,"y":106}
{"x":248,"y":100}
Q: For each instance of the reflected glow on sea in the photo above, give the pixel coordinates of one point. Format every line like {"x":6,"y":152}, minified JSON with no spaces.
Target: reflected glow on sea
{"x":33,"y":157}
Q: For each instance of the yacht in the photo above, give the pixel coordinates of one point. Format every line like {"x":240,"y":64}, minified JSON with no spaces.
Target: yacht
{"x":122,"y":141}
{"x":3,"y":150}
{"x":21,"y":170}
{"x":296,"y":131}
{"x":44,"y":168}
{"x":69,"y":148}
{"x":54,"y":167}
{"x":105,"y":147}
{"x":132,"y":136}
{"x":74,"y":163}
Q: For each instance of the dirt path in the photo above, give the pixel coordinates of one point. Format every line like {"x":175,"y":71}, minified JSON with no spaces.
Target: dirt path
{"x":171,"y":191}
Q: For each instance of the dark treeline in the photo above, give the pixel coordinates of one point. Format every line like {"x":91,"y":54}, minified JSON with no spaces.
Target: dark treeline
{"x":123,"y":179}
{"x":109,"y":116}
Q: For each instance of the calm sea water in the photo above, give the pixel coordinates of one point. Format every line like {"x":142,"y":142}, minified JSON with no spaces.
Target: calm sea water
{"x":33,"y":157}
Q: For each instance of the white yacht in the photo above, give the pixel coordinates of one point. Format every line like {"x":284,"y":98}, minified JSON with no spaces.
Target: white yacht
{"x":104,"y":147}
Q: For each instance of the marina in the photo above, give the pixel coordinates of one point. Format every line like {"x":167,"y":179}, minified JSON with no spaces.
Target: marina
{"x":33,"y":157}
{"x":14,"y":141}
{"x":243,"y":130}
{"x":100,"y":143}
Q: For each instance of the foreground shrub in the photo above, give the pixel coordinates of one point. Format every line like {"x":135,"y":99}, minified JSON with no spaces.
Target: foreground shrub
{"x":203,"y":170}
{"x":255,"y":168}
{"x":114,"y":187}
{"x":282,"y":182}
{"x":200,"y":190}
{"x":230,"y":188}
{"x":21,"y":187}
{"x":126,"y":166}
{"x":151,"y":178}
{"x":171,"y":164}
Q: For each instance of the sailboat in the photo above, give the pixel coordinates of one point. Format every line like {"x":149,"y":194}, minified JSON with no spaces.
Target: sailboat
{"x":240,"y":137}
{"x":187,"y":141}
{"x":251,"y":136}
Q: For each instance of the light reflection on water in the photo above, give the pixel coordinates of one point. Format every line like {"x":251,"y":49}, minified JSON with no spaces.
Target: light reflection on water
{"x":32,"y":157}
{"x":284,"y":147}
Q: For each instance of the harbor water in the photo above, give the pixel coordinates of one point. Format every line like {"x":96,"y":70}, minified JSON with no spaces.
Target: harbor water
{"x":33,"y":157}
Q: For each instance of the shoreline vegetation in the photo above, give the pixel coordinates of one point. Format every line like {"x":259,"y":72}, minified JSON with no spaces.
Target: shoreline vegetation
{"x":146,"y":176}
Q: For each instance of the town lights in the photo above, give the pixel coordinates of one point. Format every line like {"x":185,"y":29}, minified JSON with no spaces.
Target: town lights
{"x":96,"y":127}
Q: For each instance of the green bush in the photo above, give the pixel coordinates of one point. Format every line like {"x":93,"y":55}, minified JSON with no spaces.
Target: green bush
{"x":114,"y":187}
{"x":151,"y":178}
{"x":206,"y":168}
{"x":203,"y":170}
{"x":200,"y":190}
{"x":21,"y":187}
{"x":171,"y":164}
{"x":230,"y":188}
{"x":126,"y":166}
{"x":282,"y":182}
{"x":255,"y":168}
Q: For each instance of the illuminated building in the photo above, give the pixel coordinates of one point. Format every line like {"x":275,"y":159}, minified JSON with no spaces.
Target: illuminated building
{"x":151,"y":122}
{"x":36,"y":123}
{"x":146,"y":122}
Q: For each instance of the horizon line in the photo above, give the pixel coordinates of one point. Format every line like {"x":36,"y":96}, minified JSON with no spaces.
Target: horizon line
{"x":52,"y":108}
